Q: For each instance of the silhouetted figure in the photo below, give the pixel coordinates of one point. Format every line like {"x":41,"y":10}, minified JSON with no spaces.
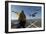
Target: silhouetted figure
{"x":22,"y":20}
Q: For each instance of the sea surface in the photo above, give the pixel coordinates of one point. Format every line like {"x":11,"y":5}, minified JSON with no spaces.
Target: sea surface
{"x":15,"y":23}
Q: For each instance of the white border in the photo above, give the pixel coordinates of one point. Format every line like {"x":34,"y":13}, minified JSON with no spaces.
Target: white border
{"x":24,"y":29}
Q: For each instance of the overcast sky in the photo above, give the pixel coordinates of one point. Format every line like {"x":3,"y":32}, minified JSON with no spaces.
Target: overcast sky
{"x":28,"y":10}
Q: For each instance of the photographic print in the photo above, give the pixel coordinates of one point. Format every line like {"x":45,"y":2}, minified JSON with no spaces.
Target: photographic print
{"x":25,"y":16}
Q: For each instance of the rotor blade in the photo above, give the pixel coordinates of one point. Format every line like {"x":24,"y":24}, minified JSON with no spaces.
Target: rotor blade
{"x":35,"y":13}
{"x":14,"y":11}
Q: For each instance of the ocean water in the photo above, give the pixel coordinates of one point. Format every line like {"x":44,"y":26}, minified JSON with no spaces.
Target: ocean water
{"x":15,"y":23}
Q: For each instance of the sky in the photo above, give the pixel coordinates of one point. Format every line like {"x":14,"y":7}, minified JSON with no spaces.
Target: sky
{"x":28,"y":10}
